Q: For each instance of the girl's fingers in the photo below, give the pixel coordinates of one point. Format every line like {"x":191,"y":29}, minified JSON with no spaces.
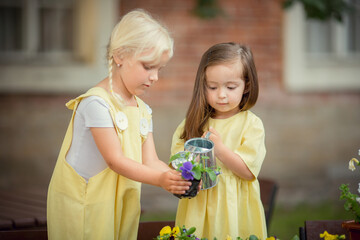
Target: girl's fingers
{"x":175,"y":172}
{"x":204,"y":134}
{"x":181,"y":182}
{"x":179,"y":190}
{"x":174,"y":183}
{"x":199,"y":186}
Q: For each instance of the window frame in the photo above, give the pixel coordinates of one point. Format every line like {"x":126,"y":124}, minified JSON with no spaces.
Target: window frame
{"x":69,"y":74}
{"x":304,"y":72}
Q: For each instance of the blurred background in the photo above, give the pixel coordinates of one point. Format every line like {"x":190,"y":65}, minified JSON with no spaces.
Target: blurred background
{"x":308,"y":66}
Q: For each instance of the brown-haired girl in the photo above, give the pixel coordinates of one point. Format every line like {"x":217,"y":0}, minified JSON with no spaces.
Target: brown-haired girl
{"x":226,"y":87}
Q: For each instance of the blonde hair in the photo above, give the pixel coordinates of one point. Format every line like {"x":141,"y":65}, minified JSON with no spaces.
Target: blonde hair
{"x":137,"y":32}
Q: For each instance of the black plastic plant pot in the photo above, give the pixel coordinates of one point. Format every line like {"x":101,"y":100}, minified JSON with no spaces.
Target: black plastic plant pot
{"x":192,"y":192}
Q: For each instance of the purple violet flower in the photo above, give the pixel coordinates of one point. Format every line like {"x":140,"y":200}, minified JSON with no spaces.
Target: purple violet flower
{"x":186,"y":172}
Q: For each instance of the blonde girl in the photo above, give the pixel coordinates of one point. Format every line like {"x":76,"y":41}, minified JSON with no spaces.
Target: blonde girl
{"x":108,"y":149}
{"x":226,"y":87}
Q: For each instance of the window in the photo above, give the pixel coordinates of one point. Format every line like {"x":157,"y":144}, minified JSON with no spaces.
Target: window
{"x":54,"y":46}
{"x":36,"y":30}
{"x":321,"y":56}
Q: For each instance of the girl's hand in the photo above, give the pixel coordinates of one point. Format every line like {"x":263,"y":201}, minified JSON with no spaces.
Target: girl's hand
{"x":215,"y":138}
{"x":199,"y":187}
{"x":229,"y":158}
{"x":172,"y":182}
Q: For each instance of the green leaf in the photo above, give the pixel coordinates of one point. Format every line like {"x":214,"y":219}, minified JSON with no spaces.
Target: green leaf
{"x":288,"y":3}
{"x":197,"y":172}
{"x":174,"y":157}
{"x":191,"y":231}
{"x":212,"y":175}
{"x":253,"y":237}
{"x":296,"y":237}
{"x":322,"y":9}
{"x":179,"y":155}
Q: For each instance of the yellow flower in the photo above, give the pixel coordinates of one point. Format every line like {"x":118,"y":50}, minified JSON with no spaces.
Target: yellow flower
{"x":270,"y":238}
{"x":165,"y":230}
{"x":175,"y":231}
{"x":328,"y":236}
{"x":228,"y":237}
{"x":352,"y":164}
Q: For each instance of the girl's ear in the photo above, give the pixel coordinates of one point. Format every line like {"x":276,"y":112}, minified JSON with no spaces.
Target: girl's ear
{"x":118,"y":59}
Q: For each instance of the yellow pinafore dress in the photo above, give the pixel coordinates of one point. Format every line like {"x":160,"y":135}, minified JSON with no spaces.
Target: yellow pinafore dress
{"x":108,"y":206}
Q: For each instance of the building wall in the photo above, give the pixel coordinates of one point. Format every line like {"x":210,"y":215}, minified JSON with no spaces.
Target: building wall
{"x":254,"y":23}
{"x":309,"y":136}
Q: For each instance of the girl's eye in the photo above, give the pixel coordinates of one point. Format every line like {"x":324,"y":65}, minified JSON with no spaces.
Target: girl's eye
{"x":231,"y":88}
{"x":147,"y":67}
{"x":211,"y":88}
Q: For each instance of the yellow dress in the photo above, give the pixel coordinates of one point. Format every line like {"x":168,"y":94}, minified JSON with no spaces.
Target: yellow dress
{"x":233,"y":207}
{"x":108,"y":206}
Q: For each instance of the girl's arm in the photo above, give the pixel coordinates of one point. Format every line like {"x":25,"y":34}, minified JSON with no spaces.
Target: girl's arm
{"x":231,"y":160}
{"x":149,"y":155}
{"x":109,"y":146}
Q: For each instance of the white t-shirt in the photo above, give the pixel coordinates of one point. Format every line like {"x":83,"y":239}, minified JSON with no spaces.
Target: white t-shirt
{"x":83,"y":154}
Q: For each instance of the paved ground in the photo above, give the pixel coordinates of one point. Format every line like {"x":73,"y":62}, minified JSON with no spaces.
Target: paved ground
{"x":156,"y":199}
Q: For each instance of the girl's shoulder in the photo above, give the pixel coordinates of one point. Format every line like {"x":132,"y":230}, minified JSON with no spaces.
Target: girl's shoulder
{"x":180,"y":128}
{"x":93,"y":102}
{"x":245,"y":119}
{"x":253,"y":121}
{"x":251,"y":116}
{"x":93,"y":92}
{"x":181,"y":125}
{"x":94,"y":98}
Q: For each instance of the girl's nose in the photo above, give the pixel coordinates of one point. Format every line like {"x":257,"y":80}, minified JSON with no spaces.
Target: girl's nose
{"x":154,"y":75}
{"x":222,"y":93}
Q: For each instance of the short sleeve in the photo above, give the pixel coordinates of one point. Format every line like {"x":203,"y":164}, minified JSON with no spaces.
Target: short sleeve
{"x":151,"y":126}
{"x":177,"y":144}
{"x":149,"y":110}
{"x":252,"y":148}
{"x":95,"y":112}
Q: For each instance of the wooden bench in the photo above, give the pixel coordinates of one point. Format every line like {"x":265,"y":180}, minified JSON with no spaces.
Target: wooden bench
{"x":23,"y":213}
{"x":313,"y":229}
{"x":268,"y":192}
{"x":22,"y":209}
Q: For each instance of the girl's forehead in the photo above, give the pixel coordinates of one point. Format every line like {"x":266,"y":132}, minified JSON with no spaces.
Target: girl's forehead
{"x":151,"y":57}
{"x":234,"y":67}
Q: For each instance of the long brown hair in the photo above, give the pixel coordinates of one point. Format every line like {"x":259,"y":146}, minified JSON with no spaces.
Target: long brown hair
{"x":199,"y":110}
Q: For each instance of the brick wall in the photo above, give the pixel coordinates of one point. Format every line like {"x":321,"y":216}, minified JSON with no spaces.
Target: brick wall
{"x":254,"y":23}
{"x":309,"y":137}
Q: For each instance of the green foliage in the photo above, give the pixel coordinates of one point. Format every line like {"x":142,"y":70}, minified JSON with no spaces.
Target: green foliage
{"x":207,"y":9}
{"x":352,"y":201}
{"x":286,"y":219}
{"x":178,"y":155}
{"x":198,"y":169}
{"x":351,"y":204}
{"x":322,"y":9}
{"x":253,"y":237}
